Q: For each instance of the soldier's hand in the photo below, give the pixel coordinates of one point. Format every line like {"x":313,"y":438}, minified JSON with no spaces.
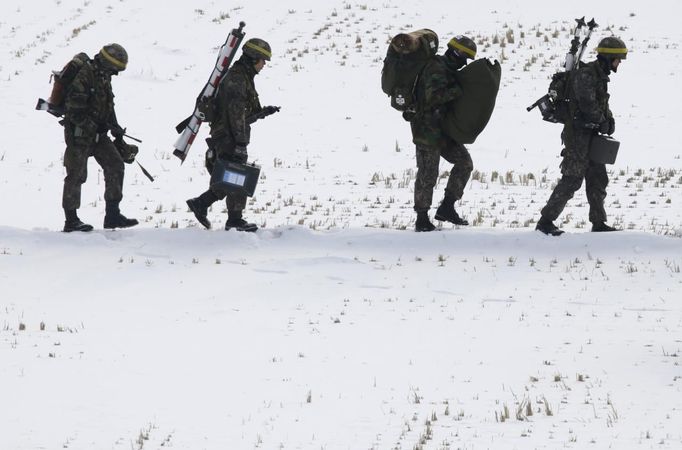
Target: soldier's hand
{"x":409,"y":115}
{"x":269,"y":110}
{"x":127,"y":151}
{"x":133,"y":150}
{"x":612,"y":126}
{"x":604,"y":127}
{"x":117,"y":131}
{"x":239,"y":154}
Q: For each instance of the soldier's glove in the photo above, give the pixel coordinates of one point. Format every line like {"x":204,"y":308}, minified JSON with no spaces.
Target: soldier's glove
{"x":117,"y":131}
{"x":270,"y":110}
{"x":239,"y":154}
{"x":127,"y":151}
{"x":409,"y":115}
{"x":608,"y":126}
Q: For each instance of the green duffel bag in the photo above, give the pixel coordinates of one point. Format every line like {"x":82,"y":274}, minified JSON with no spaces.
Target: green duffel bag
{"x":468,"y":116}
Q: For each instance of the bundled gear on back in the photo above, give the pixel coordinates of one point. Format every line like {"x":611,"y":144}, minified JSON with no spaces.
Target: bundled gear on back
{"x":554,"y":106}
{"x":204,"y":104}
{"x":463,"y":120}
{"x":61,"y":80}
{"x":405,"y":60}
{"x":467,"y":117}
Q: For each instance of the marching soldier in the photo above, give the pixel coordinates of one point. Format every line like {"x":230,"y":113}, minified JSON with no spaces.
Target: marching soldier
{"x":435,"y":89}
{"x":236,"y":100}
{"x":89,"y":116}
{"x":590,"y":114}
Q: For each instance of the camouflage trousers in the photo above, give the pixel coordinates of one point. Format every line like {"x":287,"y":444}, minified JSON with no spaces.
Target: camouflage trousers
{"x":76,"y":164}
{"x":575,"y":167}
{"x":224,"y":148}
{"x":428,"y":160}
{"x":234,"y":202}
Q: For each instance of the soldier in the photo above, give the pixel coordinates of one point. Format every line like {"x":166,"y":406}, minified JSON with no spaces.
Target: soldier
{"x":590,"y":114}
{"x":435,"y":89}
{"x":236,"y":100}
{"x":89,"y":116}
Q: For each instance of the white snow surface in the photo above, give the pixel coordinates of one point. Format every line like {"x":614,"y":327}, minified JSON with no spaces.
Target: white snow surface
{"x":335,"y":326}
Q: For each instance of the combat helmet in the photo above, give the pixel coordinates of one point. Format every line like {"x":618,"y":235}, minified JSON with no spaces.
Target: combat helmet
{"x":257,"y":49}
{"x":463,"y":47}
{"x":612,"y":47}
{"x":113,"y":57}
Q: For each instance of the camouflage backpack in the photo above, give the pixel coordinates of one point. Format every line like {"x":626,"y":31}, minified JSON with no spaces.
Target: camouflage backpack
{"x":405,"y":59}
{"x":559,"y":92}
{"x":61,"y":80}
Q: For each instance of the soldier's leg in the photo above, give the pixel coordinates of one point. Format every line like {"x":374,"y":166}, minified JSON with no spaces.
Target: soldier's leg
{"x":235,"y":208}
{"x":108,"y":157}
{"x":458,"y":155}
{"x":76,"y":164}
{"x":199,"y":206}
{"x":235,"y":202}
{"x":561,"y":194}
{"x":427,"y":175}
{"x":596,"y":180}
{"x":573,"y":169}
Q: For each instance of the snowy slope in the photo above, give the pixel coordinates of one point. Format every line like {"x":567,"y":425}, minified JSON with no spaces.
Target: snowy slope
{"x":333,"y":327}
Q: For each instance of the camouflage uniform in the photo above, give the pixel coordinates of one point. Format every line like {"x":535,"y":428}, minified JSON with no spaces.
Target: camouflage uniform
{"x":589,"y":108}
{"x":437,"y":87}
{"x":237,"y":99}
{"x":89,"y":105}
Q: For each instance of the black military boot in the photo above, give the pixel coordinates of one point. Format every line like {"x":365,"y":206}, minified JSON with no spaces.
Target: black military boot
{"x":114,"y":219}
{"x":200,"y":210}
{"x":600,"y":227}
{"x":423,"y":223}
{"x":234,"y":220}
{"x":446,"y":212}
{"x":73,"y":223}
{"x":547,"y":226}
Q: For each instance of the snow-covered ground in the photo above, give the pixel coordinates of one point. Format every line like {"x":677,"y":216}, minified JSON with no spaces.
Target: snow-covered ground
{"x":334,"y":326}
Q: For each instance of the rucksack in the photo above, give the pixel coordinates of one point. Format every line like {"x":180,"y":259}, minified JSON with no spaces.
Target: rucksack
{"x":555,"y":105}
{"x":559,"y":92}
{"x":405,"y":59}
{"x":61,"y":80}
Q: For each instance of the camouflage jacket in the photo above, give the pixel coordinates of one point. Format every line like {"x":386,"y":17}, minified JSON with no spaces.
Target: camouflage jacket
{"x":237,"y":99}
{"x":89,"y":100}
{"x":589,"y":95}
{"x":435,"y":88}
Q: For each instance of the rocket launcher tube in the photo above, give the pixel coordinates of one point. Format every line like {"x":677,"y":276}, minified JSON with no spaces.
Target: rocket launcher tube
{"x":189,"y":128}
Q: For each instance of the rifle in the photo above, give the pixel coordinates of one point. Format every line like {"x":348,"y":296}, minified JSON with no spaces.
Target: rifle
{"x":544,"y":103}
